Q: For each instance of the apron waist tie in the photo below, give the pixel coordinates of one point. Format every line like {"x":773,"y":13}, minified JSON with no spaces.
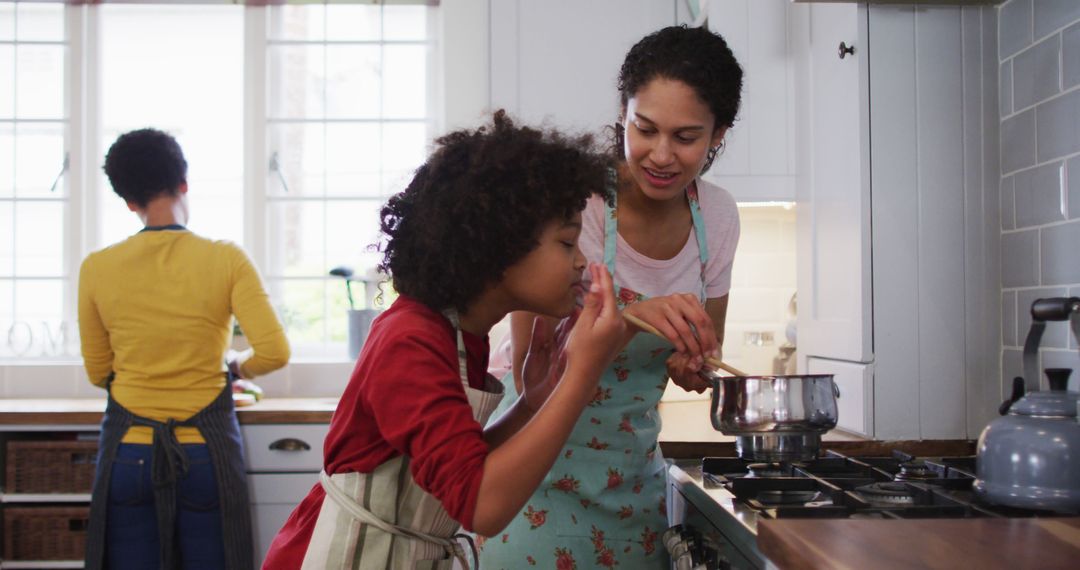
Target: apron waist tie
{"x":450,"y":545}
{"x":169,"y":463}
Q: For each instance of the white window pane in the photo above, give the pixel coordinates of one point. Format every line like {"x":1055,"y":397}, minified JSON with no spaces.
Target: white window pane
{"x":405,"y":81}
{"x":7,"y":244}
{"x":7,"y":81}
{"x":39,"y":238}
{"x":404,"y":150}
{"x":40,"y":22}
{"x":297,"y":81}
{"x":352,"y":81}
{"x":405,"y":22}
{"x":190,"y":89}
{"x":301,"y":159}
{"x":7,"y":304}
{"x":7,"y":26}
{"x":296,"y":239}
{"x":353,"y":159}
{"x":352,"y":22}
{"x":39,"y":158}
{"x":7,"y":160}
{"x":337,"y":306}
{"x":303,"y":310}
{"x":216,"y":208}
{"x":298,"y":22}
{"x":351,"y":229}
{"x":37,"y":329}
{"x":39,"y":81}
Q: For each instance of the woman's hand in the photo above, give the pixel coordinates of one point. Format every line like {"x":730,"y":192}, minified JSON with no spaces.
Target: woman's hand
{"x":683,"y":321}
{"x":684,"y":371}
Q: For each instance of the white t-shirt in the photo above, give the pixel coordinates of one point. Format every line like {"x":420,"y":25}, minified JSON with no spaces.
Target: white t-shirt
{"x":682,"y":273}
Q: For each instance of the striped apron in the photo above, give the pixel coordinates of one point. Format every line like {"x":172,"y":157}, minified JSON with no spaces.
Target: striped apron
{"x":383,"y":519}
{"x":218,"y":426}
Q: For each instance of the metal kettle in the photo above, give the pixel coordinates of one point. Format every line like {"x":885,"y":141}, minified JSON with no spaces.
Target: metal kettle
{"x":1030,"y":457}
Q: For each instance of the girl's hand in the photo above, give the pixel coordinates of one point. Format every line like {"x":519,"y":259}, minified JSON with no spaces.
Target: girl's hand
{"x":682,"y":319}
{"x":542,"y":368}
{"x":684,"y":372}
{"x":598,"y":333}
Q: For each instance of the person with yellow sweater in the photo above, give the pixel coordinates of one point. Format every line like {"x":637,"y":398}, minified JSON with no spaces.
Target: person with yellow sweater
{"x":155,"y":320}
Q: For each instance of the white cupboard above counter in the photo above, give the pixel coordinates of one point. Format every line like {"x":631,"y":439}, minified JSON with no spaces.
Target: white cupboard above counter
{"x":897,"y":191}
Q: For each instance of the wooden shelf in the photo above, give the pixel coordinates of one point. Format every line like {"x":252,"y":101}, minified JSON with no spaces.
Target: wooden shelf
{"x":41,"y":563}
{"x":44,"y":497}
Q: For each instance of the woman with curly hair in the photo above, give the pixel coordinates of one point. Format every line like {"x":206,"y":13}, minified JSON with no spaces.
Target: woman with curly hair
{"x":488,"y":225}
{"x":669,"y":241}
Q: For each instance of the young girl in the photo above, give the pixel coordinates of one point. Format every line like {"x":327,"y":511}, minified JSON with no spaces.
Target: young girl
{"x":669,"y":240}
{"x":487,"y":226}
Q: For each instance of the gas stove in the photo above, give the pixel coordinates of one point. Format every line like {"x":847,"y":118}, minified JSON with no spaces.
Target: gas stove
{"x":716,"y":503}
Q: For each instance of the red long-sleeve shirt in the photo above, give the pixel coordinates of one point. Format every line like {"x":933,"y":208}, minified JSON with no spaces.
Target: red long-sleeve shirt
{"x":404,"y":397}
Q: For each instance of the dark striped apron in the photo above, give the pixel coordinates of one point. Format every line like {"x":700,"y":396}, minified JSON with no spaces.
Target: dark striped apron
{"x":218,"y":426}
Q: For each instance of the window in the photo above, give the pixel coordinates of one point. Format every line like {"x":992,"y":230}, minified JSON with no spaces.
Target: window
{"x":297,"y":121}
{"x":347,"y":124}
{"x":191,"y":89}
{"x":34,"y":196}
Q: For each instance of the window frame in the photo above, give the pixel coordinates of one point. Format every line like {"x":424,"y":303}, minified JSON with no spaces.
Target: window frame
{"x":83,"y":226}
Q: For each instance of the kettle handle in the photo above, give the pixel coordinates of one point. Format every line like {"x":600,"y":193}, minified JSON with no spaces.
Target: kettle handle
{"x":1042,"y":310}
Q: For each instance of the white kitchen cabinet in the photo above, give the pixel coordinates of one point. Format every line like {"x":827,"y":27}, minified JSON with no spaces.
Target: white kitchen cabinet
{"x":855,"y":405}
{"x":283,"y":463}
{"x":896,"y":264}
{"x":556,"y":62}
{"x":758,"y":161}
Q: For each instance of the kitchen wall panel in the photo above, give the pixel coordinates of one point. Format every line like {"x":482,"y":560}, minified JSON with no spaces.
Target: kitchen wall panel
{"x":1039,"y":252}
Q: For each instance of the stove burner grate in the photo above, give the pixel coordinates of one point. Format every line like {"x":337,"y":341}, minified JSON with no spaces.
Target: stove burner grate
{"x":787,"y":496}
{"x":765,"y":470}
{"x":916,"y":471}
{"x":886,"y":494}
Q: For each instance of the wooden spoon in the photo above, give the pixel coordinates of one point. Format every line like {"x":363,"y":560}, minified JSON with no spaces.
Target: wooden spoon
{"x":711,"y":361}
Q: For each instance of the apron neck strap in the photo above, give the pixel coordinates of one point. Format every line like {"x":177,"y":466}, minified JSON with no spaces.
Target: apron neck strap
{"x":463,"y":369}
{"x":611,"y":230}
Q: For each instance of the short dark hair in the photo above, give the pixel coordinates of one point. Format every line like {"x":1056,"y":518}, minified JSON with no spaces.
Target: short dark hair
{"x":479,"y":204}
{"x":145,"y":163}
{"x":695,"y":56}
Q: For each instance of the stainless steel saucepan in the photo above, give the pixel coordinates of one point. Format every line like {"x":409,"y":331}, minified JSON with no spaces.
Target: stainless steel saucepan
{"x":774,"y":418}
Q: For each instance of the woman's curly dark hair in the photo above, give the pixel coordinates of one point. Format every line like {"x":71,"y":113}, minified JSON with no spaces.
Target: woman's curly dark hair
{"x":145,"y":163}
{"x":479,"y":204}
{"x":695,"y":56}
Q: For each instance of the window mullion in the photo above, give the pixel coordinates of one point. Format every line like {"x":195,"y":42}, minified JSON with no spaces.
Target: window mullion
{"x":256,"y":87}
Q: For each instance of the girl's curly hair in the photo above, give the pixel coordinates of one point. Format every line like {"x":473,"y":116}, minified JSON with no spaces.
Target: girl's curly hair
{"x":695,"y":56}
{"x":479,"y":204}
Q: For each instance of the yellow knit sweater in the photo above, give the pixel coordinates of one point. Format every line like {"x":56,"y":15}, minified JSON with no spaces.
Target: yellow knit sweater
{"x":156,"y":311}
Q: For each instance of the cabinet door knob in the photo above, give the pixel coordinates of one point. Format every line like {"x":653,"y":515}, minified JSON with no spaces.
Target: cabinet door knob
{"x":290,"y":444}
{"x":845,"y":50}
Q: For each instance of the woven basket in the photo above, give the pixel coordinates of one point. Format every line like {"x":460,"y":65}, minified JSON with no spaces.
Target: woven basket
{"x":45,"y":533}
{"x":50,"y":466}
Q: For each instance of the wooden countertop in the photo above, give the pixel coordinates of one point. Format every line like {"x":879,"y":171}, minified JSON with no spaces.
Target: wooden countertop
{"x":804,"y":544}
{"x":88,"y":411}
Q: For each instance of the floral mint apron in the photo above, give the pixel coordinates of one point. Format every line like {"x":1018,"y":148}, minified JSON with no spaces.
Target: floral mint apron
{"x":603,"y":502}
{"x":383,"y":519}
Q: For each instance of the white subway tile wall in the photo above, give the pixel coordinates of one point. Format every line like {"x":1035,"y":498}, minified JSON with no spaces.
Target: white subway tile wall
{"x":1040,"y":158}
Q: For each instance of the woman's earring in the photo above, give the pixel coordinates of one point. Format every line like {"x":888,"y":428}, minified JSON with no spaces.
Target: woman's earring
{"x":713,"y":152}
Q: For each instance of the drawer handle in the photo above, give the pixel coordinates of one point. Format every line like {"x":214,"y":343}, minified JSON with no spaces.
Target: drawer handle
{"x":290,"y":444}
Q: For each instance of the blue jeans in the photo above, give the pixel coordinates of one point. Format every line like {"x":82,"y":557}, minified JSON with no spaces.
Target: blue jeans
{"x":131,"y":530}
